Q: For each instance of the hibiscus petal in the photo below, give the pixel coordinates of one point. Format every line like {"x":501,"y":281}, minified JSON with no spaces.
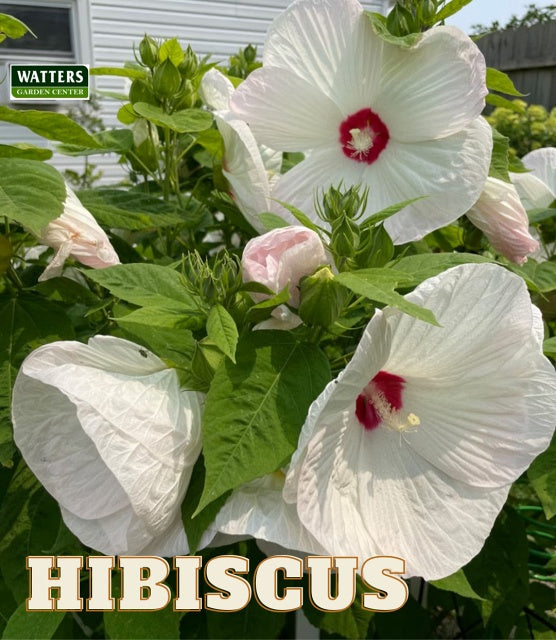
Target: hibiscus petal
{"x":534,"y":193}
{"x":114,"y":445}
{"x":433,"y":89}
{"x":216,"y":90}
{"x":257,"y":509}
{"x":285,"y":112}
{"x":542,"y":163}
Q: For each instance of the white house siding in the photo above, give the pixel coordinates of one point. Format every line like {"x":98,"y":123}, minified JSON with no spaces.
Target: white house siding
{"x":216,"y":27}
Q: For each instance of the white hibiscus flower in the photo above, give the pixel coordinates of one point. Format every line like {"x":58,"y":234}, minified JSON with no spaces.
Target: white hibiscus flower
{"x":411,"y":451}
{"x":537,"y":189}
{"x":403,"y":121}
{"x":108,"y":432}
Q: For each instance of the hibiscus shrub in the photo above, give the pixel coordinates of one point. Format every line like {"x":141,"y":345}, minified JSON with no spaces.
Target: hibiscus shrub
{"x":314,"y":320}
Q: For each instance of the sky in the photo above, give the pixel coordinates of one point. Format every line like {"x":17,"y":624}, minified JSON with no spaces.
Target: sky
{"x":486,"y":11}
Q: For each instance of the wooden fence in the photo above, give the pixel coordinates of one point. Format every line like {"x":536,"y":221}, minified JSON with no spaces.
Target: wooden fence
{"x":528,"y":56}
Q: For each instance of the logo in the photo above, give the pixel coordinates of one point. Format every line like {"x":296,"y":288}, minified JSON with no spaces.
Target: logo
{"x":49,"y":82}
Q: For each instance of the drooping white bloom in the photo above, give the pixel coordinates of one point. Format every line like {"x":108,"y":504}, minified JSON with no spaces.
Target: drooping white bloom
{"x":251,"y":170}
{"x":412,"y":449}
{"x":403,"y":121}
{"x":108,"y":432}
{"x":499,"y":214}
{"x":537,"y":189}
{"x":77,"y":234}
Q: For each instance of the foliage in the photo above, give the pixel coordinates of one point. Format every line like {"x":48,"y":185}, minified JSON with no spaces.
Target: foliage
{"x":533,"y":15}
{"x":530,"y":128}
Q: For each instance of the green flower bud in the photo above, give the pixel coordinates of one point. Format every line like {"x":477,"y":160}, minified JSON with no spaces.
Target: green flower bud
{"x":345,"y":237}
{"x":140,"y":91}
{"x":401,"y":21}
{"x":322,"y":298}
{"x":428,"y":10}
{"x":188,"y":68}
{"x":375,"y":248}
{"x":186,"y":97}
{"x":250,"y":53}
{"x":148,"y":50}
{"x":166,"y":79}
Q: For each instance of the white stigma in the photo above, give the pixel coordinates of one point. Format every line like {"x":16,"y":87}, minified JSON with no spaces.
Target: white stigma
{"x":361,"y":141}
{"x":390,"y":417}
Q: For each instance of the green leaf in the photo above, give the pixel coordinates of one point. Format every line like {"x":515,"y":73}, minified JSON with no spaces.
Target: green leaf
{"x":499,"y":159}
{"x":542,"y":475}
{"x":29,"y":524}
{"x":109,"y":141}
{"x":49,"y":125}
{"x":388,"y":212}
{"x":549,"y":346}
{"x":32,"y":625}
{"x":145,"y":285}
{"x":378,"y":22}
{"x":499,"y":572}
{"x":500,"y":101}
{"x":351,"y":623}
{"x":541,"y":215}
{"x":27,"y":322}
{"x":272,"y":221}
{"x":114,"y":208}
{"x":449,"y":9}
{"x":31,"y":193}
{"x":171,"y":49}
{"x":222,"y":330}
{"x":541,"y":274}
{"x":377,"y":286}
{"x":196,"y":526}
{"x":25,"y":151}
{"x":124,"y":72}
{"x":499,"y":81}
{"x":186,"y":121}
{"x":12,"y":28}
{"x":255,"y":409}
{"x":457,"y":583}
{"x":139,"y":625}
{"x":426,"y":265}
{"x":160,"y":319}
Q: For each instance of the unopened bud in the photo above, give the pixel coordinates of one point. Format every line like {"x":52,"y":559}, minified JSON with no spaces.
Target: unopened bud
{"x":345,"y":238}
{"x":188,"y":68}
{"x":250,"y":53}
{"x":322,"y":298}
{"x":166,"y":79}
{"x":140,"y":91}
{"x":148,"y":50}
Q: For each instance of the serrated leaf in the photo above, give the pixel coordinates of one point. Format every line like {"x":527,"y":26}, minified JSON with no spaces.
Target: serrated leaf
{"x":160,"y":319}
{"x":146,"y":285}
{"x":426,"y":265}
{"x":255,"y":409}
{"x":300,"y":216}
{"x":49,"y":125}
{"x":542,"y":475}
{"x":381,"y":288}
{"x":388,"y":212}
{"x":457,"y":583}
{"x":25,"y":151}
{"x":499,"y":81}
{"x":186,"y":121}
{"x":31,"y":193}
{"x":32,"y":625}
{"x":114,"y":208}
{"x":222,"y":330}
{"x":109,"y":141}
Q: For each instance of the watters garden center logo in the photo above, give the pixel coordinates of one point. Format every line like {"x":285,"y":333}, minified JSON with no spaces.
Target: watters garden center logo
{"x":49,"y":82}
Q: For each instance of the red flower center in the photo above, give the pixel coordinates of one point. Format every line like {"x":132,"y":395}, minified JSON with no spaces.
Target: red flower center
{"x":363,"y":136}
{"x":380,"y":400}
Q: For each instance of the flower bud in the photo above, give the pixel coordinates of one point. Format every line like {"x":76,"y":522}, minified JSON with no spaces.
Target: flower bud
{"x":140,"y":91}
{"x":148,"y":50}
{"x":281,"y":257}
{"x":188,"y":68}
{"x":401,"y":22}
{"x":166,"y":79}
{"x":186,"y":97}
{"x":322,"y":298}
{"x":345,"y":237}
{"x":250,"y":53}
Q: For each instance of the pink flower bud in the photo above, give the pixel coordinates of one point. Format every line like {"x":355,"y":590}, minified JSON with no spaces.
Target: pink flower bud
{"x":281,"y":257}
{"x":499,"y":214}
{"x":77,"y":234}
